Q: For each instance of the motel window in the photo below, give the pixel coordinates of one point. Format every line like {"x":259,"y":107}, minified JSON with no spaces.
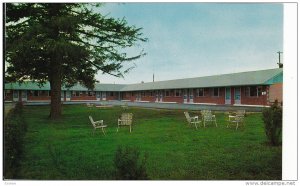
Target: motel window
{"x":24,"y":94}
{"x":34,"y":93}
{"x":76,"y":93}
{"x":143,"y":93}
{"x":7,"y":92}
{"x":167,"y":93}
{"x":91,"y":93}
{"x":132,"y":94}
{"x":216,"y":92}
{"x":177,"y":93}
{"x":200,"y":92}
{"x":253,"y":91}
{"x":111,"y":94}
{"x":43,"y":93}
{"x":15,"y":94}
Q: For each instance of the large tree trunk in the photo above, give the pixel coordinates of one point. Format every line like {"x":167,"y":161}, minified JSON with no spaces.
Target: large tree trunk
{"x":55,"y":67}
{"x":55,"y":86}
{"x":55,"y":111}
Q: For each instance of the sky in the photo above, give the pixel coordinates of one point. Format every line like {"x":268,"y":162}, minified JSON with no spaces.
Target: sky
{"x":200,"y":39}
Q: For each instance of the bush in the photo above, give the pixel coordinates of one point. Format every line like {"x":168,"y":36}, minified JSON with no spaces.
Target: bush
{"x":14,"y":130}
{"x":128,"y":164}
{"x":272,"y":118}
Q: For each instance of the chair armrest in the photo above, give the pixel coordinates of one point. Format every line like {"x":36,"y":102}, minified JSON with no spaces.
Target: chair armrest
{"x":195,"y":118}
{"x":119,"y":121}
{"x":99,"y":122}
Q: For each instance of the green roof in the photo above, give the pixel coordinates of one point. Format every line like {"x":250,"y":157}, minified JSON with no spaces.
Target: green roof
{"x":27,"y":86}
{"x":261,"y":77}
{"x":34,"y":86}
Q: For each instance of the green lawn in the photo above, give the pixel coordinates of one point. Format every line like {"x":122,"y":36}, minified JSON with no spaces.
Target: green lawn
{"x":8,"y":107}
{"x":67,"y":150}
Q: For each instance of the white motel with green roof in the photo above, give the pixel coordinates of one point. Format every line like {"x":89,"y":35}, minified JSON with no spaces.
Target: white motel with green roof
{"x":245,"y":88}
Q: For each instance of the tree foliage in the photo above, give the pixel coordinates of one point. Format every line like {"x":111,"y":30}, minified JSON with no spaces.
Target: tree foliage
{"x":65,"y":43}
{"x":272,"y":118}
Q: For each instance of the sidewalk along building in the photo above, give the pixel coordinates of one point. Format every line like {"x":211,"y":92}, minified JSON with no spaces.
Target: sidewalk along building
{"x":245,"y":88}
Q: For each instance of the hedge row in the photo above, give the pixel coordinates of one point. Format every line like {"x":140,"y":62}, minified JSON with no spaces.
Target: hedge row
{"x":14,"y":131}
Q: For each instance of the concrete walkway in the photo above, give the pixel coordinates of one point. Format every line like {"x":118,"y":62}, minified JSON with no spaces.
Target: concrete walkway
{"x":248,"y":108}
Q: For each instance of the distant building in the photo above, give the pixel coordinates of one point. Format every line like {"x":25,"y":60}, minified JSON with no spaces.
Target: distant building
{"x":244,"y":88}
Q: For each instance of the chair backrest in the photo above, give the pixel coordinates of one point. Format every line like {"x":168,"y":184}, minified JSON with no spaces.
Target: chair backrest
{"x":188,"y":118}
{"x":239,"y":118}
{"x":92,"y":121}
{"x":126,"y":118}
{"x":240,"y":112}
{"x":203,"y":112}
{"x":207,"y":116}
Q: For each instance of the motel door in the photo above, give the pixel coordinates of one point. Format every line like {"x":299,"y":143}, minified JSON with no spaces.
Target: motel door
{"x":237,"y":95}
{"x":104,"y":96}
{"x":68,"y":95}
{"x":24,"y":95}
{"x":185,"y":96}
{"x":156,"y":96}
{"x":138,"y":96}
{"x":191,"y":96}
{"x":15,"y":95}
{"x":98,"y":96}
{"x":227,"y":95}
{"x":62,"y":95}
{"x":160,"y":96}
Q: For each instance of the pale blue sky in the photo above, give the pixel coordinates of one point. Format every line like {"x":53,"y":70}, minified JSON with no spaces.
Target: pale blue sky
{"x":200,"y":39}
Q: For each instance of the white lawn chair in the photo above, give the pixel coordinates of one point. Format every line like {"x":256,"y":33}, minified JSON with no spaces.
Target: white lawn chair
{"x":192,"y":120}
{"x":97,"y":125}
{"x":207,"y":116}
{"x":236,"y":120}
{"x":90,"y":105}
{"x":125,"y":106}
{"x":125,"y":120}
{"x":241,"y":112}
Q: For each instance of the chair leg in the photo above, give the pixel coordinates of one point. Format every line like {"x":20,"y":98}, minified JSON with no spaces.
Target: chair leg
{"x":216,"y":123}
{"x":103,"y":131}
{"x":196,"y":126}
{"x":118,"y":128}
{"x":237,"y":125}
{"x":130,"y":128}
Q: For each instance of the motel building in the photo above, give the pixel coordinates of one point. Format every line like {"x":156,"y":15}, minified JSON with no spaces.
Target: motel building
{"x":257,"y":88}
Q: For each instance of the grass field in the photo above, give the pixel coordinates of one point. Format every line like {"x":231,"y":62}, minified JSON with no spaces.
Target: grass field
{"x":67,"y":150}
{"x":8,"y":107}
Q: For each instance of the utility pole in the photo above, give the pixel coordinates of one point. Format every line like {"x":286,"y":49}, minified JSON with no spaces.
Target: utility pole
{"x":279,"y":63}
